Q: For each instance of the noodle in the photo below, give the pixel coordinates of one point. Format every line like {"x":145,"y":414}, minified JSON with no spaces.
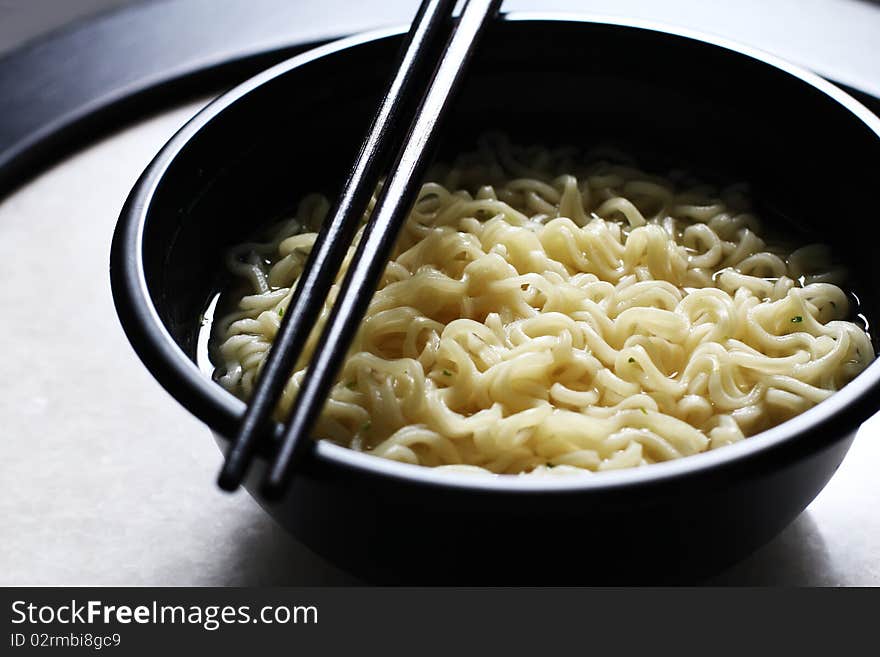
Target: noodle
{"x":541,"y":312}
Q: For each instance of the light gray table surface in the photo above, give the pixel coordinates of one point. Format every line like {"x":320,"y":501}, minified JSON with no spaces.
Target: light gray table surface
{"x":106,"y":480}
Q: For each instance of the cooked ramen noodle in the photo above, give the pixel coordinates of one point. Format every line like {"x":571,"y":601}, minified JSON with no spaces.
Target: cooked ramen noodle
{"x":544,"y":309}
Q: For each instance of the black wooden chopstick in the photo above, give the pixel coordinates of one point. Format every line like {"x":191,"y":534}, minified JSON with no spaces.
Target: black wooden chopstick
{"x":392,"y":207}
{"x":415,"y":64}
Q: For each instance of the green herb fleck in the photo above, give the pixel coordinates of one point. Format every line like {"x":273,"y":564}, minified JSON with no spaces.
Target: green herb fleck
{"x":366,"y":426}
{"x":631,"y":360}
{"x":281,"y":312}
{"x":643,"y":411}
{"x":797,"y":319}
{"x":447,"y":373}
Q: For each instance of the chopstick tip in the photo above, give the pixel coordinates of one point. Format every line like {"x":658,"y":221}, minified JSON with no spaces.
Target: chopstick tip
{"x":229,"y":478}
{"x":273,"y":488}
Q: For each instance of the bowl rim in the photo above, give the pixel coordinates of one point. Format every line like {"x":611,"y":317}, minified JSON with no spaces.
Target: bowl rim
{"x":219,"y":409}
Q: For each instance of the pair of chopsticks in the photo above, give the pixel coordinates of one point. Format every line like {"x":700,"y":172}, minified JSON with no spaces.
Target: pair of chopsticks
{"x":398,"y":194}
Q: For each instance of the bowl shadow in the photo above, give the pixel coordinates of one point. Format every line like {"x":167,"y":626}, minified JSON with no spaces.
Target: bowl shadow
{"x":798,"y":556}
{"x":262,"y":553}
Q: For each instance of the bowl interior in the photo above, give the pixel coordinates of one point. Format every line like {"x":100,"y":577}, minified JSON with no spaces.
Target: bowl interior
{"x":670,"y":101}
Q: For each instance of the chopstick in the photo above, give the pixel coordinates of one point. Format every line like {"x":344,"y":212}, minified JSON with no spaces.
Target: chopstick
{"x":413,"y":66}
{"x":378,"y":238}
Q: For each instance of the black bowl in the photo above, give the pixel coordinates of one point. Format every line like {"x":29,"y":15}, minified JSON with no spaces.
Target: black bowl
{"x":811,"y":153}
